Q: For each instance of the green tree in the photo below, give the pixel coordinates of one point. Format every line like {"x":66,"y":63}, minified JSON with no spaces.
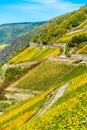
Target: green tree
{"x":12,"y":74}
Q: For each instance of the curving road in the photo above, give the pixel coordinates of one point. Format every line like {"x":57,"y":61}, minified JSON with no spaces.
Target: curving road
{"x":53,"y":98}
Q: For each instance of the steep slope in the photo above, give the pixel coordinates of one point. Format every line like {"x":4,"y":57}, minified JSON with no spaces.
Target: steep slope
{"x":48,"y":33}
{"x":73,"y":24}
{"x":35,"y":54}
{"x":69,"y":112}
{"x":50,"y":74}
{"x":19,"y":43}
{"x":76,"y":41}
{"x":62,"y":25}
{"x":61,"y":103}
{"x":83,"y":50}
{"x":66,"y":38}
{"x":83,"y":25}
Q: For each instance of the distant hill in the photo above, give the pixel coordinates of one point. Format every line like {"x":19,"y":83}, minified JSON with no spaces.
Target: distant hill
{"x":56,"y":90}
{"x":11,"y":30}
{"x":19,"y":43}
{"x":53,"y":31}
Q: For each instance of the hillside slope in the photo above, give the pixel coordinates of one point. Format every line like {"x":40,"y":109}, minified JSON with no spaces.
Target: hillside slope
{"x":19,"y":43}
{"x":48,"y":33}
{"x":58,"y":89}
{"x":35,"y":54}
{"x":59,"y":26}
{"x":11,"y":30}
{"x":69,"y":112}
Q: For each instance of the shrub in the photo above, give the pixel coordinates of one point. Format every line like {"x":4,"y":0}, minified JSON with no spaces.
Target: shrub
{"x":76,"y":40}
{"x":11,"y":74}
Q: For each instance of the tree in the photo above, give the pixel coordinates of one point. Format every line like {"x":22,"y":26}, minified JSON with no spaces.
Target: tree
{"x":76,"y":40}
{"x":11,"y":74}
{"x":75,"y":22}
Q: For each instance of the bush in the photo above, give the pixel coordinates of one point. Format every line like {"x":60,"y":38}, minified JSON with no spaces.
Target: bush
{"x":11,"y":75}
{"x":75,"y":22}
{"x":76,"y":40}
{"x":67,"y":53}
{"x":58,"y":32}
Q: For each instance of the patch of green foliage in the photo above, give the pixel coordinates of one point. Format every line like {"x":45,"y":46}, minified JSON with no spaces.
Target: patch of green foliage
{"x":74,"y":20}
{"x":77,"y":41}
{"x":11,"y":75}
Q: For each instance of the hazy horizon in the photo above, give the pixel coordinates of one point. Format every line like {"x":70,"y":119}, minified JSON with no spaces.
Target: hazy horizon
{"x":35,"y":10}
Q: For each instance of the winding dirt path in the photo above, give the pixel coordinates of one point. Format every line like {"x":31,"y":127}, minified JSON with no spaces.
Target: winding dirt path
{"x":76,"y":31}
{"x":53,"y":98}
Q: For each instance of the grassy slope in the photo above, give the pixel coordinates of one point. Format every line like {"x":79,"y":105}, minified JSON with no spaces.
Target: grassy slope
{"x":48,"y":32}
{"x":83,"y":25}
{"x":23,"y":111}
{"x":83,"y":50}
{"x":68,"y":22}
{"x":59,"y":116}
{"x":68,"y":113}
{"x":47,"y":75}
{"x":35,"y":54}
{"x":67,"y":38}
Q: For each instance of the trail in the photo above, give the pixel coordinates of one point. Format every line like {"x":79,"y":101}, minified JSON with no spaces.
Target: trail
{"x":76,"y":31}
{"x":53,"y":98}
{"x":72,"y":59}
{"x":19,"y":94}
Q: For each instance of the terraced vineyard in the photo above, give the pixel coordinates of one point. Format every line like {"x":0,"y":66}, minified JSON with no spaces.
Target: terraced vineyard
{"x":83,"y":50}
{"x":66,"y":113}
{"x":35,"y":54}
{"x":67,"y":38}
{"x":56,"y":90}
{"x":50,"y":74}
{"x":83,"y":25}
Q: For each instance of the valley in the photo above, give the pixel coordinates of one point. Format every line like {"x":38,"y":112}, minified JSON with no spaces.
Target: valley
{"x":43,"y":75}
